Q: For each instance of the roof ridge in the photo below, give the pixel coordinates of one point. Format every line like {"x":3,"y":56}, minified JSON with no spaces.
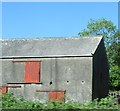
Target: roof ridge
{"x":53,"y":38}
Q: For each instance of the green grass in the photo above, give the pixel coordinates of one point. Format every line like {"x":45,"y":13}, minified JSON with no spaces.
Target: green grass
{"x":10,"y":102}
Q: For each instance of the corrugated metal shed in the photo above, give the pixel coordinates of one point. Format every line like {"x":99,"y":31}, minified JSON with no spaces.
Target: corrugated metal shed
{"x":49,"y":47}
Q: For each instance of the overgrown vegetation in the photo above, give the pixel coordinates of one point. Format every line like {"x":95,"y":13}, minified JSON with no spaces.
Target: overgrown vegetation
{"x":10,"y":102}
{"x":113,"y":52}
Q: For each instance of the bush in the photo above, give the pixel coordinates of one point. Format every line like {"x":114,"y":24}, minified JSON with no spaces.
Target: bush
{"x":113,"y":54}
{"x":115,"y":77}
{"x":10,"y":102}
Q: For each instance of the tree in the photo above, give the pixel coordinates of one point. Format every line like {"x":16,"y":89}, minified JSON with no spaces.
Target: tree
{"x":112,"y":41}
{"x":113,"y":52}
{"x":101,"y":27}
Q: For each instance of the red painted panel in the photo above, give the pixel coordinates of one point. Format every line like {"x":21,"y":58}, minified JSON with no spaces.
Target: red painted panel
{"x":52,"y":96}
{"x":3,"y":90}
{"x":56,"y":96}
{"x":32,"y":72}
{"x":60,"y":96}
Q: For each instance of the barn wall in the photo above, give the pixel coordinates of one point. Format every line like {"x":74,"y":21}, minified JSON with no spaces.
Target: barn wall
{"x":12,"y":72}
{"x":72,"y":74}
{"x":100,"y":72}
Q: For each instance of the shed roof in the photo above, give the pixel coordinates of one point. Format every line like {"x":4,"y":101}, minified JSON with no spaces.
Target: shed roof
{"x":49,"y":47}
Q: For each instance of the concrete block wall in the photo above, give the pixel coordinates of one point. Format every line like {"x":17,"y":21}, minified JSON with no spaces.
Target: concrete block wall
{"x":73,"y":74}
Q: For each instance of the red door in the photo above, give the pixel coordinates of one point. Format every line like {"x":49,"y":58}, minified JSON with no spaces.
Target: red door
{"x":56,"y":96}
{"x":52,"y":96}
{"x":3,"y":90}
{"x":32,"y":72}
{"x":60,"y":96}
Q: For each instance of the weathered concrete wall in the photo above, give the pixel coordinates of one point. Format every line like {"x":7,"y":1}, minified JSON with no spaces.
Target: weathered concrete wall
{"x":28,"y":92}
{"x":100,"y":72}
{"x":73,"y":74}
{"x":12,"y":72}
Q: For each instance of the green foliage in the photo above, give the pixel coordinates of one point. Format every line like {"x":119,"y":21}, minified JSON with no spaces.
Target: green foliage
{"x":101,"y":27}
{"x":115,"y":76}
{"x":113,"y":52}
{"x":117,"y":34}
{"x":10,"y":102}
